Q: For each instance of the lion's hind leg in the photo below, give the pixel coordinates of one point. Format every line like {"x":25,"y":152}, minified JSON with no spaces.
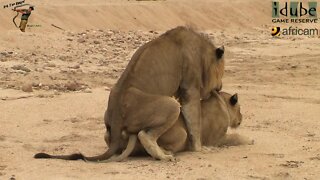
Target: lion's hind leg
{"x":151,"y":116}
{"x":165,"y":112}
{"x":152,"y":148}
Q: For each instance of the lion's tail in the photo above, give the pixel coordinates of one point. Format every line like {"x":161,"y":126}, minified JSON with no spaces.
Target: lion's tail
{"x":130,"y":147}
{"x":101,"y":158}
{"x":110,"y":152}
{"x":113,"y":148}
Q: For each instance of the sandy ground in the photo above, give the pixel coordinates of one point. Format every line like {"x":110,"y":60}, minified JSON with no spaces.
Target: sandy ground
{"x":70,"y":73}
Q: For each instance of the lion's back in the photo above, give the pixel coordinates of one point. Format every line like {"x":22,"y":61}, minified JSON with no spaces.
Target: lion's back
{"x":157,"y":66}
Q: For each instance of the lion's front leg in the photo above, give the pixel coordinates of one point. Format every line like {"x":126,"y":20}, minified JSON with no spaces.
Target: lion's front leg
{"x":191,"y":111}
{"x":235,"y":140}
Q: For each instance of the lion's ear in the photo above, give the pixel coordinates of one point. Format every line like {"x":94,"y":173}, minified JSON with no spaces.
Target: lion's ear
{"x":220,"y":52}
{"x":234,"y":99}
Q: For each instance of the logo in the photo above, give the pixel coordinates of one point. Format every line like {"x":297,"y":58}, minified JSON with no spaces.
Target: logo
{"x":13,"y":4}
{"x":294,"y":9}
{"x":294,"y":12}
{"x":23,"y":11}
{"x":294,"y":31}
{"x":275,"y":31}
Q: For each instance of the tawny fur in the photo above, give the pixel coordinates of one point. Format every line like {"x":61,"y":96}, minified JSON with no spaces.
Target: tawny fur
{"x":218,"y":113}
{"x":180,"y":63}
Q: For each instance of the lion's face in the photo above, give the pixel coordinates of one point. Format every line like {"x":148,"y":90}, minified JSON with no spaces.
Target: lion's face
{"x":235,"y":114}
{"x":234,"y":109}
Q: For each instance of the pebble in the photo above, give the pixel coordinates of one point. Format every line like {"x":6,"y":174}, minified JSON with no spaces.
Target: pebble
{"x":63,"y":58}
{"x":51,"y":65}
{"x":72,"y":86}
{"x":75,"y":66}
{"x":27,"y":88}
{"x":46,"y":88}
{"x":96,"y":42}
{"x":87,"y":90}
{"x":81,"y":40}
{"x":56,"y":93}
{"x":3,"y":53}
{"x":20,"y":67}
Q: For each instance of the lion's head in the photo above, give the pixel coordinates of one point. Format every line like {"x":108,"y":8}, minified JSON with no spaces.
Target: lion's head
{"x":214,"y":66}
{"x":233,"y":109}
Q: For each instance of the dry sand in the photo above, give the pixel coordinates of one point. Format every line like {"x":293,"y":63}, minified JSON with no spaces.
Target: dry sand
{"x":70,"y":73}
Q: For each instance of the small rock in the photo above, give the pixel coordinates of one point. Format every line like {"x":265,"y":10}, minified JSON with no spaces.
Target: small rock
{"x":57,"y":93}
{"x":27,"y":88}
{"x":46,"y":88}
{"x":69,"y":39}
{"x":72,"y":86}
{"x":81,"y":40}
{"x":88,"y":51}
{"x":283,"y":175}
{"x":3,"y":53}
{"x":38,"y":70}
{"x":36,"y":84}
{"x":63,"y":58}
{"x":87,"y":90}
{"x":12,"y":177}
{"x":21,"y":67}
{"x":70,"y":34}
{"x":51,"y":65}
{"x":110,"y":33}
{"x":77,"y":66}
{"x":96,"y":42}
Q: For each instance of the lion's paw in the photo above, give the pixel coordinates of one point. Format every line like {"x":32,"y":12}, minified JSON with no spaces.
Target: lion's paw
{"x":166,"y":152}
{"x":168,"y":158}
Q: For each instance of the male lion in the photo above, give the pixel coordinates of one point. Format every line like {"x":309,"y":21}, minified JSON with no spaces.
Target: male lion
{"x":180,"y":63}
{"x":219,"y":112}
